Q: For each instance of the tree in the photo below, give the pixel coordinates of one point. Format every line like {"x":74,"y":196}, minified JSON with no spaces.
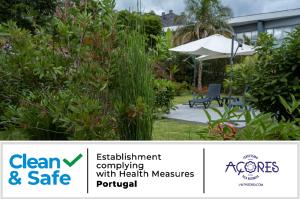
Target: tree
{"x":128,"y":20}
{"x":181,"y":19}
{"x":210,"y":18}
{"x":148,"y":23}
{"x":153,"y":27}
{"x":27,"y":13}
{"x":276,"y":76}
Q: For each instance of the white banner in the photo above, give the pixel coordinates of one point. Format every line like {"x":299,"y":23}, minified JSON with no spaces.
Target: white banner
{"x":149,"y":170}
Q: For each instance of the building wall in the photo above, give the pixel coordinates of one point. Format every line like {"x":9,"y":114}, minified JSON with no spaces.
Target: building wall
{"x":168,"y":19}
{"x":279,"y":28}
{"x":283,"y":22}
{"x":245,"y":28}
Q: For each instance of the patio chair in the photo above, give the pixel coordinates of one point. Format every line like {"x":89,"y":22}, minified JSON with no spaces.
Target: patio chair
{"x":242,"y":104}
{"x":214,"y":91}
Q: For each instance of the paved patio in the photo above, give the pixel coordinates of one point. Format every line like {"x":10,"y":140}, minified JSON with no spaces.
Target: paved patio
{"x":185,"y":113}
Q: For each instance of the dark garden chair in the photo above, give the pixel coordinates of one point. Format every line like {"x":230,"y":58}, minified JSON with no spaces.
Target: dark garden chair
{"x":237,"y":102}
{"x":242,"y":103}
{"x":214,"y":92}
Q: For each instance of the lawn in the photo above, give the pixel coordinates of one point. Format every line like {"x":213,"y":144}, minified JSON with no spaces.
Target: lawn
{"x":167,"y":129}
{"x":183,"y":99}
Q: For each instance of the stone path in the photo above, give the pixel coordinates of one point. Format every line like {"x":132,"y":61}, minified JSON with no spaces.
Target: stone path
{"x":197,"y":114}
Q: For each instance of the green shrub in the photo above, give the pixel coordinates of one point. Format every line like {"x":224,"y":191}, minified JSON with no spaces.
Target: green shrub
{"x":180,"y":88}
{"x":264,"y":127}
{"x":242,"y":75}
{"x":148,"y":23}
{"x":260,"y":127}
{"x":165,"y":91}
{"x":61,"y":116}
{"x":276,"y":74}
{"x":29,"y":65}
{"x":28,"y":14}
{"x":54,"y":84}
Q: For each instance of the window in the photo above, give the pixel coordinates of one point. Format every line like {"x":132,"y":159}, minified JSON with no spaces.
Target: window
{"x":270,"y":31}
{"x":286,"y":31}
{"x":278,"y":33}
{"x":254,"y":36}
{"x":249,"y":35}
{"x":240,"y":36}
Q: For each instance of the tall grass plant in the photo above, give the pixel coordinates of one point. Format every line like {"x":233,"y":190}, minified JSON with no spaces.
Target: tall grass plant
{"x":134,"y":93}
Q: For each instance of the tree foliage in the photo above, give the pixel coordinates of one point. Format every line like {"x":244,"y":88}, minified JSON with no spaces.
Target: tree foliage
{"x":79,"y":77}
{"x":242,"y":75}
{"x":148,"y":23}
{"x":54,"y":84}
{"x":27,"y":13}
{"x":206,"y":17}
{"x":277,"y":75}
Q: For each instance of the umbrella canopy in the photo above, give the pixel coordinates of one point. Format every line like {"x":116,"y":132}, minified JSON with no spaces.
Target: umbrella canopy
{"x":213,"y":47}
{"x":216,"y":56}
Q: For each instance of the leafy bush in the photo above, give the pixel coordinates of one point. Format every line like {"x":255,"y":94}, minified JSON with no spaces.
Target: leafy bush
{"x":276,"y":74}
{"x":264,"y":127}
{"x":242,"y":75}
{"x":223,"y":127}
{"x":261,"y":127}
{"x":180,"y":88}
{"x":81,"y":77}
{"x":165,"y":92}
{"x":54,"y":84}
{"x":148,"y":23}
{"x":30,"y":64}
{"x":27,"y":14}
{"x":59,"y":116}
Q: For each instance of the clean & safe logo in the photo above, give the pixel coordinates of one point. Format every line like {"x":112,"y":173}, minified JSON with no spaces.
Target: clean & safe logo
{"x":250,"y":167}
{"x":39,"y":170}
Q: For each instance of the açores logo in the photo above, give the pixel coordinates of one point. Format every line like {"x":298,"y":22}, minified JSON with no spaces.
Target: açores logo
{"x":250,"y":167}
{"x":39,"y":171}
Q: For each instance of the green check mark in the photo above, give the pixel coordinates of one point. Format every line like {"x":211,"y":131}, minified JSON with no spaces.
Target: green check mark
{"x":70,"y":164}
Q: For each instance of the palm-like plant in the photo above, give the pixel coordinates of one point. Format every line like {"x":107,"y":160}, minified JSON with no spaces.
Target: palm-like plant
{"x":207,"y":17}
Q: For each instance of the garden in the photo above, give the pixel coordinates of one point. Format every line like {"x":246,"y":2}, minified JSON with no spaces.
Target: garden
{"x":80,"y":70}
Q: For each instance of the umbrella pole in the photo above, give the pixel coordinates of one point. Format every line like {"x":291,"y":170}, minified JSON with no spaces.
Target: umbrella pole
{"x":195,"y":71}
{"x":231,"y":68}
